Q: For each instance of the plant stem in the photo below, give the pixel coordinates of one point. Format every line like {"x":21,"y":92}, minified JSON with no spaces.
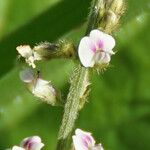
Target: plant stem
{"x":80,"y":74}
{"x":97,"y":10}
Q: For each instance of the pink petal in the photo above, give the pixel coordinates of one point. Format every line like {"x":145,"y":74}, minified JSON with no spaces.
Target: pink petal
{"x":29,"y":140}
{"x":86,"y":52}
{"x":86,"y":137}
{"x":78,"y":144}
{"x":97,"y":37}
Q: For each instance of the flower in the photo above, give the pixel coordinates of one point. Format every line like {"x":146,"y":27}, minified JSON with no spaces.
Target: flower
{"x":96,"y":49}
{"x":40,"y":88}
{"x":29,"y":55}
{"x":84,"y":141}
{"x":30,"y":143}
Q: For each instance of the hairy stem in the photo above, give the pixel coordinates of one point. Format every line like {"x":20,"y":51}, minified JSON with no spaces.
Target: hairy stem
{"x":97,"y":10}
{"x":72,"y":106}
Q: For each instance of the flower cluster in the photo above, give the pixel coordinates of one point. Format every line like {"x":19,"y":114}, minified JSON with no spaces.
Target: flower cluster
{"x":30,"y":143}
{"x":96,"y":49}
{"x":84,"y":141}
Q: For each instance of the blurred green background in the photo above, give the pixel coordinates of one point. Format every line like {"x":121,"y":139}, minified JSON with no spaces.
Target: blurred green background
{"x":118,"y":111}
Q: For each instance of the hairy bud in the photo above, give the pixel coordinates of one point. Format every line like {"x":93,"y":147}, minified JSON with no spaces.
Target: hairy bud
{"x":117,"y":6}
{"x":63,"y":49}
{"x":113,"y":10}
{"x":46,"y":51}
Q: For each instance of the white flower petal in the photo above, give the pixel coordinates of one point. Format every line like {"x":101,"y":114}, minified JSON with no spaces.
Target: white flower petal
{"x":109,"y":43}
{"x":82,"y":140}
{"x":44,"y":90}
{"x":43,"y":87}
{"x":17,"y":148}
{"x":28,"y":140}
{"x":24,"y":50}
{"x":86,"y":52}
{"x":26,"y":75}
{"x":96,"y":34}
{"x":97,"y":37}
{"x":78,"y":144}
{"x":85,"y":136}
{"x":36,"y":139}
{"x":30,"y":60}
{"x":36,"y":146}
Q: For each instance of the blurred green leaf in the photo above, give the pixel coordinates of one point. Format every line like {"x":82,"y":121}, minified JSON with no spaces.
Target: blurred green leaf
{"x":15,"y":13}
{"x":47,"y":27}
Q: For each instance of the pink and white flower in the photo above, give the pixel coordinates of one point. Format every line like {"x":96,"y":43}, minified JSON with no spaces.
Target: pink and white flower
{"x":84,"y":141}
{"x":96,"y":49}
{"x":30,"y":143}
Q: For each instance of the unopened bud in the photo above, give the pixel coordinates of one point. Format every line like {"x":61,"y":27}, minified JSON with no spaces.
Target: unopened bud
{"x":111,"y":17}
{"x":30,"y":143}
{"x":110,"y":21}
{"x":45,"y":49}
{"x":40,"y":88}
{"x":62,"y":49}
{"x":117,"y":6}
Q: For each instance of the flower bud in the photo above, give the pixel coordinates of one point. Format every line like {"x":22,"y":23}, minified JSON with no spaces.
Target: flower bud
{"x":45,"y":49}
{"x":84,"y":141}
{"x":63,"y":49}
{"x":30,"y":143}
{"x":40,"y":88}
{"x":117,"y":5}
{"x":110,"y":21}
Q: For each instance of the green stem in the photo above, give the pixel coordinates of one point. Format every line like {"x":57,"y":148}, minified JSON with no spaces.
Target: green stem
{"x":96,"y":13}
{"x":72,"y":106}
